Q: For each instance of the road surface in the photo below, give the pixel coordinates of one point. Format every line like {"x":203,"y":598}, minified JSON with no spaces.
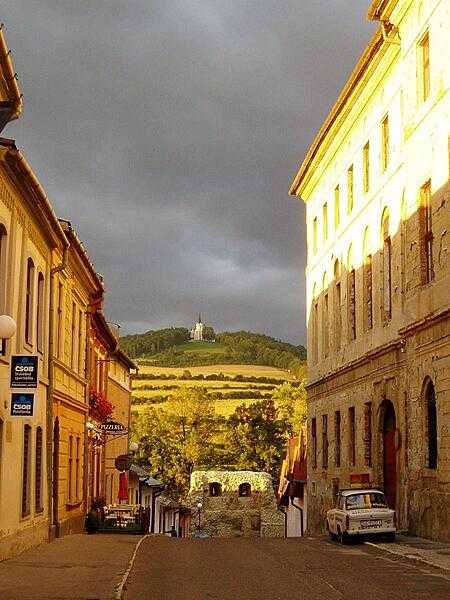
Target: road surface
{"x":260,"y":569}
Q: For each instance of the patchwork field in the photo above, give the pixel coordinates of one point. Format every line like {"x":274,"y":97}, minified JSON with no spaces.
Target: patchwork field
{"x":229,"y":385}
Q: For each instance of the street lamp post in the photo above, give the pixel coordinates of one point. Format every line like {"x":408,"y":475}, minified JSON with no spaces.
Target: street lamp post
{"x":199,"y":508}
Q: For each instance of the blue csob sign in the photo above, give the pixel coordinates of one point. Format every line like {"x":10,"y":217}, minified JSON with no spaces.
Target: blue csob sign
{"x":22,"y":405}
{"x":24,"y":371}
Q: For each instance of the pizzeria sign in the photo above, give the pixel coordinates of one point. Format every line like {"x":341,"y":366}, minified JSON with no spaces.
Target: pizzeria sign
{"x":113,"y":427}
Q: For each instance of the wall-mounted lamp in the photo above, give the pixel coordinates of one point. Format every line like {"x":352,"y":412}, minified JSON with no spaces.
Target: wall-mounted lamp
{"x":7,"y":327}
{"x":89,"y":426}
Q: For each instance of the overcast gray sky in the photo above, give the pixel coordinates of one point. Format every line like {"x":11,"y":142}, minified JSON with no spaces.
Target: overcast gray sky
{"x":168,"y":132}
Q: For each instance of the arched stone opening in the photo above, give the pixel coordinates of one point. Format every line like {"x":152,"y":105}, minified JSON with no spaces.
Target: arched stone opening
{"x":388,"y":430}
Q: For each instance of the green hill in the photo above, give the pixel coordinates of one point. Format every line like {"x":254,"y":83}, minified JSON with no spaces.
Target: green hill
{"x":172,"y":348}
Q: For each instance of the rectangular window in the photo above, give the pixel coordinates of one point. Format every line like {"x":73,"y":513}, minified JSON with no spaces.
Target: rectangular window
{"x":337,"y":207}
{"x":314,"y":233}
{"x":350,"y":189}
{"x":426,"y":234}
{"x":77,"y":469}
{"x":40,"y":313}
{"x":26,"y":471}
{"x":424,"y":67}
{"x":351,"y":436}
{"x":314,"y":442}
{"x":337,"y":438}
{"x":385,"y":143}
{"x":368,"y":434}
{"x":70,"y":470}
{"x":38,"y":472}
{"x":366,"y":167}
{"x":325,"y":221}
{"x":351,"y":305}
{"x":325,"y":441}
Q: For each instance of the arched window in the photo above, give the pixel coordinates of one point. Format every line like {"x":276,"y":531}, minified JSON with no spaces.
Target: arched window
{"x":29,"y":301}
{"x":367,"y":283}
{"x":351,"y":296}
{"x":337,"y":304}
{"x":245,"y":490}
{"x":403,"y":249}
{"x":40,"y":313}
{"x":325,"y":320}
{"x":314,"y":329}
{"x":215,"y":489}
{"x":386,"y":267}
{"x":431,"y":425}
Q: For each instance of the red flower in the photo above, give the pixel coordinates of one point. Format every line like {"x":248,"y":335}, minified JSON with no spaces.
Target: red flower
{"x":100,"y":408}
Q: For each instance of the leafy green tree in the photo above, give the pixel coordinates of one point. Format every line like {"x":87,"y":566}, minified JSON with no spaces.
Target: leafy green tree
{"x":177,"y":439}
{"x":291,"y":403}
{"x":208,"y":333}
{"x":257,"y":436}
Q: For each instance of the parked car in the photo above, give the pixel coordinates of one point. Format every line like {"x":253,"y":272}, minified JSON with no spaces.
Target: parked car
{"x":360,"y":513}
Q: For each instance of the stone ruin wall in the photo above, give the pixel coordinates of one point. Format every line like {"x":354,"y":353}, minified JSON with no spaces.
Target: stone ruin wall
{"x":229,"y":515}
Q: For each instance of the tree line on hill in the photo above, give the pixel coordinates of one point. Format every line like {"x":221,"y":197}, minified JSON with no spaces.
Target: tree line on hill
{"x":182,"y":437}
{"x":240,"y":347}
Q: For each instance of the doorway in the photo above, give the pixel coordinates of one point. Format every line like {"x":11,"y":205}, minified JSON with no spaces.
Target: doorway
{"x":389,"y":455}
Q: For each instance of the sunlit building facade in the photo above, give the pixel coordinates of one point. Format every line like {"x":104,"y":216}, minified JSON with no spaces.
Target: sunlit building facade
{"x":376,"y":186}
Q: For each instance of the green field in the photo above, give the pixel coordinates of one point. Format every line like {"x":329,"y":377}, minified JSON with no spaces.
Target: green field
{"x":157,"y":389}
{"x":209,"y":347}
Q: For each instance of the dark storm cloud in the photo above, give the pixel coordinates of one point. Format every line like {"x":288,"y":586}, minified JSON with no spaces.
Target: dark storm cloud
{"x":169,"y":131}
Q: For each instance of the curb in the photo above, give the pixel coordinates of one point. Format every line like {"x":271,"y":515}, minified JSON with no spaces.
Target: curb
{"x":118,"y":594}
{"x":408,"y":556}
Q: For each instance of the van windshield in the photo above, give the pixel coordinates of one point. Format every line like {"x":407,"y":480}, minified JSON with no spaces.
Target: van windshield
{"x":367,"y":500}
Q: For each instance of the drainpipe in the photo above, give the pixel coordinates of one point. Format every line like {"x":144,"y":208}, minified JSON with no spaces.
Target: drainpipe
{"x":50,"y":389}
{"x":301,"y":515}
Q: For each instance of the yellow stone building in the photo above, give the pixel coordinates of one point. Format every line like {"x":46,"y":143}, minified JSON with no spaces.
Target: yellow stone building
{"x":29,"y":236}
{"x":376,"y":186}
{"x":119,"y":394}
{"x":52,"y":462}
{"x":76,"y":290}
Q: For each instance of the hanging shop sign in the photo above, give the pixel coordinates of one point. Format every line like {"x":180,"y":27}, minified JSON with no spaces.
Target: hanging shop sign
{"x":24,"y":371}
{"x":22,"y":405}
{"x":123,"y":462}
{"x":113,"y":427}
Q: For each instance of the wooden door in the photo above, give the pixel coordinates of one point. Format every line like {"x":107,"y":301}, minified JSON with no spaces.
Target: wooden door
{"x":390,"y":457}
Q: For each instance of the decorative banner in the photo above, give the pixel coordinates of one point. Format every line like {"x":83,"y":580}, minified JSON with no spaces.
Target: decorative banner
{"x":113,"y":427}
{"x":24,"y":371}
{"x":123,"y":462}
{"x":22,"y":405}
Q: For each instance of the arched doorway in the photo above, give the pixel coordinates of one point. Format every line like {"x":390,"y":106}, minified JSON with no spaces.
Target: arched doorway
{"x":55,"y":480}
{"x":389,"y":454}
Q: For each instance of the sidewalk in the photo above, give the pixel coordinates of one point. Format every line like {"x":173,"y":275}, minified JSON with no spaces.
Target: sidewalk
{"x":75,"y":567}
{"x":432,"y":553}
